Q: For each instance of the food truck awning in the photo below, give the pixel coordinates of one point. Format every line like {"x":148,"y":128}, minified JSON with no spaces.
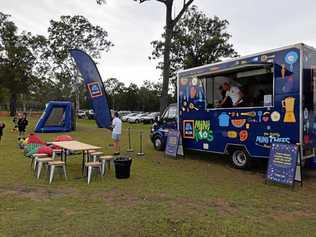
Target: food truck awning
{"x":241,"y":68}
{"x":216,"y":71}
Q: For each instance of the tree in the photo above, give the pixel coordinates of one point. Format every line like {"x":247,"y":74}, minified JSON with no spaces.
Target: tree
{"x":114,"y":89}
{"x":170,"y":24}
{"x":71,"y":32}
{"x":169,"y":28}
{"x":149,"y":94}
{"x":18,"y":57}
{"x":197,"y":40}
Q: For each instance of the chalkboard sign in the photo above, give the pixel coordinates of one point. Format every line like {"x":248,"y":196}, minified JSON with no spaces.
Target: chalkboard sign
{"x":282,"y":163}
{"x":172,"y":143}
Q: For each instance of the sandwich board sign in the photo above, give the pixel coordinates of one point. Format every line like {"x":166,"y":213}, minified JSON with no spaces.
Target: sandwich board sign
{"x":284,"y":166}
{"x":174,"y":144}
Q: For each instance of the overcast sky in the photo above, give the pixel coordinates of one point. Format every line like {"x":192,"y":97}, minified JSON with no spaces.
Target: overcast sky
{"x":255,"y":26}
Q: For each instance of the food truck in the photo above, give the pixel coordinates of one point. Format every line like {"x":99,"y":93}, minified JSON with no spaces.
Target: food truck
{"x":241,"y":106}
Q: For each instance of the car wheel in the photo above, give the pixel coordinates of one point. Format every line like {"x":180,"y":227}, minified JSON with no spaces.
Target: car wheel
{"x":158,"y":143}
{"x":240,"y":159}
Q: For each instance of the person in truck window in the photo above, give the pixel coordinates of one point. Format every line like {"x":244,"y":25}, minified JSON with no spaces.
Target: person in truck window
{"x":228,"y":102}
{"x":234,"y":93}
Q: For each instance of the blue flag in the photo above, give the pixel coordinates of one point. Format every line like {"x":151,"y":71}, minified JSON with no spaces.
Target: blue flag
{"x":95,"y":87}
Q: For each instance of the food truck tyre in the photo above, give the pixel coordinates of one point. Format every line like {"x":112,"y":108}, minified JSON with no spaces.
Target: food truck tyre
{"x":158,"y":143}
{"x":240,"y":158}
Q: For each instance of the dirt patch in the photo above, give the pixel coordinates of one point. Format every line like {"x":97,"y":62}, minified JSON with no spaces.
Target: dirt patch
{"x":34,"y":193}
{"x":178,"y":205}
{"x":224,"y":208}
{"x":292,"y":216}
{"x":221,"y":206}
{"x":122,"y":199}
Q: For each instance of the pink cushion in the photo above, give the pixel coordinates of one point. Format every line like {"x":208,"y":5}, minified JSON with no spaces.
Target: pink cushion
{"x":35,"y":139}
{"x":63,"y":138}
{"x":45,"y":150}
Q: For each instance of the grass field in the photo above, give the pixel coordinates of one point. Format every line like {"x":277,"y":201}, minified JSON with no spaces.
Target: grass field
{"x":198,"y":196}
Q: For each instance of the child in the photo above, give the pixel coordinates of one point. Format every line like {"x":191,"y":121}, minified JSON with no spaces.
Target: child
{"x":2,"y":126}
{"x":116,"y":133}
{"x":22,"y":123}
{"x":15,"y":121}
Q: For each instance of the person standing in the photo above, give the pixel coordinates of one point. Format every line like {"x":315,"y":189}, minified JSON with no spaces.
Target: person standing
{"x":15,"y":122}
{"x":2,"y":126}
{"x":116,"y":133}
{"x":234,"y":93}
{"x":22,"y":124}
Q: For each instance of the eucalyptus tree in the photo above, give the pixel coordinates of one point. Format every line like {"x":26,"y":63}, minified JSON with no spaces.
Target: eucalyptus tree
{"x":197,"y":39}
{"x":172,"y":18}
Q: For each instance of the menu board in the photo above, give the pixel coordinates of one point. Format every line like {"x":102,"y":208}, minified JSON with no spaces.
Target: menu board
{"x":282,"y":163}
{"x":172,"y":143}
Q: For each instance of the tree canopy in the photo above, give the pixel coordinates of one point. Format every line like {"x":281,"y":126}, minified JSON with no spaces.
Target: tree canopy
{"x":40,"y":68}
{"x":133,"y":97}
{"x":71,"y":32}
{"x":172,"y":18}
{"x":19,"y":57}
{"x":197,"y":40}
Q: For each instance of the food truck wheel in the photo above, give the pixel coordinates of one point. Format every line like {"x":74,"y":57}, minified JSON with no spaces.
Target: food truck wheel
{"x":158,"y":143}
{"x":240,"y":159}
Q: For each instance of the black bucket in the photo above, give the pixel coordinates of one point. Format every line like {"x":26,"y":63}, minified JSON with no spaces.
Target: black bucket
{"x":122,"y":167}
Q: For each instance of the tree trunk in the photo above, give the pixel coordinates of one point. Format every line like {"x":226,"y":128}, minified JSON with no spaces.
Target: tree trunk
{"x":13,"y":100}
{"x":77,"y":93}
{"x":23,"y":103}
{"x":166,"y":65}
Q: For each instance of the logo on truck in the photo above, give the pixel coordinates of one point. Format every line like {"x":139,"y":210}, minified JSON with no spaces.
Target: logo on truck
{"x":268,"y":138}
{"x":188,"y":129}
{"x":203,"y":131}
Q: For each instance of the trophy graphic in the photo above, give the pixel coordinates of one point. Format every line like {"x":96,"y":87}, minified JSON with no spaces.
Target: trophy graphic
{"x":288,"y":104}
{"x":283,"y":70}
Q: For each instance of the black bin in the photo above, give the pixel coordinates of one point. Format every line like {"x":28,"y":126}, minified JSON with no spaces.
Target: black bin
{"x":122,"y":167}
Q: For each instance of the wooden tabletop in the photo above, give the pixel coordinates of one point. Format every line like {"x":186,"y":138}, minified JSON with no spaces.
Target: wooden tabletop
{"x":75,"y":146}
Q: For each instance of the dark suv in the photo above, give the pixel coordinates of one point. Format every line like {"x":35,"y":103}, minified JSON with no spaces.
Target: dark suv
{"x":159,"y":130}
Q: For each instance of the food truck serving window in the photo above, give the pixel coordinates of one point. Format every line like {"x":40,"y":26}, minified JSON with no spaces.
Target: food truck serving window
{"x":245,"y":87}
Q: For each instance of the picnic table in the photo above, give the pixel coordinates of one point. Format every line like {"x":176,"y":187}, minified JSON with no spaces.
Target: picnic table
{"x":75,"y":146}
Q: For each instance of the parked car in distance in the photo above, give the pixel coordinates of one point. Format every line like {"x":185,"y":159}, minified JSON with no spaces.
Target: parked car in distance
{"x":90,"y":114}
{"x":126,"y":117}
{"x":138,"y":118}
{"x":123,"y":113}
{"x":150,"y":118}
{"x":81,"y":114}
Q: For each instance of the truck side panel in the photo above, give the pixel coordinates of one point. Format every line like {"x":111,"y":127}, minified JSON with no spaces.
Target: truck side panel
{"x":309,"y":101}
{"x":255,"y":129}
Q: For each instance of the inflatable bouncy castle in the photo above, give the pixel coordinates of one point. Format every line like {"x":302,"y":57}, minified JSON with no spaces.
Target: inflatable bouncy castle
{"x":57,"y":117}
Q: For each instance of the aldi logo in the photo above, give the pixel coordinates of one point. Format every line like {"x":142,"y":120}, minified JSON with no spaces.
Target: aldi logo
{"x":188,"y":129}
{"x":94,"y":89}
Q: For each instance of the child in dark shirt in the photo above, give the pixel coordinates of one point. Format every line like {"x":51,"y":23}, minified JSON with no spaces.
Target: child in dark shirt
{"x":15,"y":121}
{"x":2,"y":126}
{"x":22,"y":124}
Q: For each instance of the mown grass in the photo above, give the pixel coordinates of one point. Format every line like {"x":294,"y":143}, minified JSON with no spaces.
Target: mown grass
{"x":201,"y":195}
